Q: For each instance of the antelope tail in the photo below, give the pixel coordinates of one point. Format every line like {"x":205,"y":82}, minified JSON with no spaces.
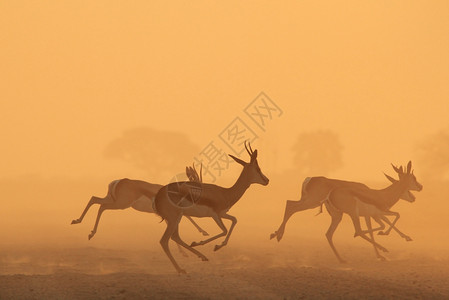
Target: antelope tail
{"x":321,"y":209}
{"x":322,"y":202}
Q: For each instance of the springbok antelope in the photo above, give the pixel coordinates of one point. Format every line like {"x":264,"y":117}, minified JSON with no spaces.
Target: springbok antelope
{"x":315,"y":191}
{"x":204,"y":200}
{"x":313,"y":194}
{"x":125,"y":193}
{"x":370,"y":203}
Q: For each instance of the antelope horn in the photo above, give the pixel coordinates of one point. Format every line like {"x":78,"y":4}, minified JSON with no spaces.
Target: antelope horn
{"x":196,"y":173}
{"x":249,"y":144}
{"x":247,"y":149}
{"x":188,"y":172}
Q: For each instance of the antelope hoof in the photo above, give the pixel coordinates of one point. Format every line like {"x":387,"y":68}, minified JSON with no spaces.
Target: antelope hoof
{"x":77,"y":221}
{"x":91,"y":235}
{"x":278,"y":235}
{"x":381,"y":258}
{"x":182,"y":271}
{"x":194,"y":244}
{"x":381,"y":233}
{"x":273,"y":235}
{"x":203,"y":258}
{"x":217,"y":247}
{"x":205,"y":233}
{"x":382,"y":249}
{"x":408,"y":239}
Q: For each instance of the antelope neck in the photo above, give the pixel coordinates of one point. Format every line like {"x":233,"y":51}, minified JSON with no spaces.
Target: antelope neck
{"x":235,"y":192}
{"x":392,"y":193}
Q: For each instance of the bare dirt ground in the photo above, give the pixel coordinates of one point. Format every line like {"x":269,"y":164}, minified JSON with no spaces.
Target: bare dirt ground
{"x":285,"y":270}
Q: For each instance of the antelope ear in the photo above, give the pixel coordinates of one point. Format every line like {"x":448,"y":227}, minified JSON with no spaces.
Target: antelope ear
{"x":254,"y":156}
{"x":409,"y":167}
{"x":192,"y":174}
{"x":390,"y":178}
{"x":238,"y":160}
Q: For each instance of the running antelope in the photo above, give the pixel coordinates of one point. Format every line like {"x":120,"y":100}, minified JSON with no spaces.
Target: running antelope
{"x":370,"y":203}
{"x":204,"y":200}
{"x":315,"y":191}
{"x":125,"y":193}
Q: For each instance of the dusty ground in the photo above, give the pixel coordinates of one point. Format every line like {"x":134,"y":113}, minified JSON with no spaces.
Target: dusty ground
{"x":277,"y":271}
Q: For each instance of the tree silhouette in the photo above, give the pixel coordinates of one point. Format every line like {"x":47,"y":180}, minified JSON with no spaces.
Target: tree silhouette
{"x":317,"y":153}
{"x":158,"y":153}
{"x":433,"y":156}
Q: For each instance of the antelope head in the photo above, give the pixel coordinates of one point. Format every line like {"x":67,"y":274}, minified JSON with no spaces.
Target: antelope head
{"x":251,"y":171}
{"x":407,"y":178}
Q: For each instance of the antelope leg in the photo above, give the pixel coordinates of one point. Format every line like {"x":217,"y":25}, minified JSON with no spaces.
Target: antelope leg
{"x":401,"y":234}
{"x":225,"y":242}
{"x":390,"y":213}
{"x":171,"y":228}
{"x":358,"y":232}
{"x":292,"y":207}
{"x":175,"y":237}
{"x":201,"y":230}
{"x":336,"y":219}
{"x":220,"y":224}
{"x":370,"y":230}
{"x":93,"y":200}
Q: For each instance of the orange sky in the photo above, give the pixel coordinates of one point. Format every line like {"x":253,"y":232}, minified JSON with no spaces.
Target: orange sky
{"x":76,"y":74}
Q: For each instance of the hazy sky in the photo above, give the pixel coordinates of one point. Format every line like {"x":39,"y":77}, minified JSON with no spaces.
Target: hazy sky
{"x":74,"y":75}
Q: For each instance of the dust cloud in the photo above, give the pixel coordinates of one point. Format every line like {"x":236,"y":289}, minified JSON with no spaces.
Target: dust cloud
{"x":92,"y":92}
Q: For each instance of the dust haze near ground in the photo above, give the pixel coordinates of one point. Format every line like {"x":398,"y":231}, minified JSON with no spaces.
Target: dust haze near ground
{"x":124,"y":260}
{"x":292,"y":271}
{"x":96,"y":91}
